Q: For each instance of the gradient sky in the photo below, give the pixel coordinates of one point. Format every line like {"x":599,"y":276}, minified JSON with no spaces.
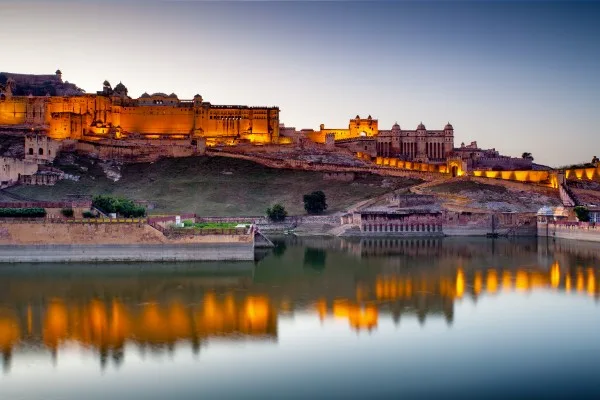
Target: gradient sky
{"x":511,"y":75}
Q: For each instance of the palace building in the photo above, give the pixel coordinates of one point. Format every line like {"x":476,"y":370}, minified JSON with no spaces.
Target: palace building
{"x":61,"y":110}
{"x":111,"y":113}
{"x":364,"y":136}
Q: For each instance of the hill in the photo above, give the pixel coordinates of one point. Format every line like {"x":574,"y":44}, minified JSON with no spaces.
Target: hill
{"x":209,"y":185}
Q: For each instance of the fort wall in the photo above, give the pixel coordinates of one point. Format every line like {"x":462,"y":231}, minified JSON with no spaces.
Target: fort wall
{"x":45,"y":241}
{"x":591,"y":174}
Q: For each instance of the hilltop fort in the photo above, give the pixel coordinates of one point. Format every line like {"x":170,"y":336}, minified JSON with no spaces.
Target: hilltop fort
{"x":52,"y":116}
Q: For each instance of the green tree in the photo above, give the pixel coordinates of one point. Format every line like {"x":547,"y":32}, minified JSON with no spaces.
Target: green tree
{"x":583,"y":214}
{"x":527,"y":156}
{"x":315,"y":202}
{"x":277,"y":213}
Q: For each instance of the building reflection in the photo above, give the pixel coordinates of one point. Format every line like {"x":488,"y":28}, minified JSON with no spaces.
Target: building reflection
{"x":435,"y":295}
{"x":47,"y":322}
{"x":107,"y":326}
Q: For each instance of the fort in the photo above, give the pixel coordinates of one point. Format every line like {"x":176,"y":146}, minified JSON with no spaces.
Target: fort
{"x":51,"y":116}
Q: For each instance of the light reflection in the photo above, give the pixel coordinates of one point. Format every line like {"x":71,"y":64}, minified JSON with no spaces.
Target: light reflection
{"x":108,"y":325}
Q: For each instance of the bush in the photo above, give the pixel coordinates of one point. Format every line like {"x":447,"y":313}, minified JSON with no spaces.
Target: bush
{"x":188,"y":223}
{"x":67,"y":212}
{"x":315,"y":203}
{"x":277,"y":213}
{"x":88,"y":214}
{"x":22,"y":212}
{"x":583,"y":214}
{"x":124,"y":207}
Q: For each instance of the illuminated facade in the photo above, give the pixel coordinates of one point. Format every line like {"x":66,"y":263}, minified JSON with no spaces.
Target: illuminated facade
{"x":363,"y":135}
{"x":111,"y":113}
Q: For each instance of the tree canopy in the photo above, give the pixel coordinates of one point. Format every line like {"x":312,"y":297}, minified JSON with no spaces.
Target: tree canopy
{"x":583,"y":214}
{"x":277,"y":213}
{"x":315,"y":202}
{"x":527,"y":156}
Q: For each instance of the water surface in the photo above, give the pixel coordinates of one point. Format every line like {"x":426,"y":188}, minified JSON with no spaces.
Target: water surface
{"x":313,"y":318}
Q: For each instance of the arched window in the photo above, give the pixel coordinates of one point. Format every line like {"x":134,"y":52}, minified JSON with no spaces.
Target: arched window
{"x":41,"y":152}
{"x":30,"y":151}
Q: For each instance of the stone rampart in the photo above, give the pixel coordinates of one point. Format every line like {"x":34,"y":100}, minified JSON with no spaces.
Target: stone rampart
{"x":570,"y":230}
{"x":322,"y":167}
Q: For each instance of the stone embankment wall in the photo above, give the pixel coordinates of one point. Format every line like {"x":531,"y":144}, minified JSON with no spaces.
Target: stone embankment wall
{"x":38,"y":241}
{"x":480,"y":224}
{"x":570,"y":230}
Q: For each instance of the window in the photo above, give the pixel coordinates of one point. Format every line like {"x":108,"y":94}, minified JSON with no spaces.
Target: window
{"x":30,"y":151}
{"x":41,"y":152}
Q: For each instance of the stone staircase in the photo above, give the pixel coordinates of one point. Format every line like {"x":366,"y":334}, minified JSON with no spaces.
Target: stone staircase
{"x":568,"y":198}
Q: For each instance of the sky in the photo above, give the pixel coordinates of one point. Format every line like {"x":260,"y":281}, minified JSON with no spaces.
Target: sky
{"x":514,"y":76}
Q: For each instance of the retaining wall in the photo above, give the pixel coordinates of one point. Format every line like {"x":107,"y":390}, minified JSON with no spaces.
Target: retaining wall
{"x":574,"y":231}
{"x":113,"y":253}
{"x":47,"y":241}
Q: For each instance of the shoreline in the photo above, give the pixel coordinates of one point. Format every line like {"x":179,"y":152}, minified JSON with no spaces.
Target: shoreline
{"x":62,"y":253}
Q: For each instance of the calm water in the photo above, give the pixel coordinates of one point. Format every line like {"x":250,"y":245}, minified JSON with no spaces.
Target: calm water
{"x":314,"y":318}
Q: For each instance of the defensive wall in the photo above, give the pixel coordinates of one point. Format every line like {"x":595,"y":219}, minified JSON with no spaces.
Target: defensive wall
{"x":570,"y":230}
{"x":113,"y":240}
{"x":322,"y":167}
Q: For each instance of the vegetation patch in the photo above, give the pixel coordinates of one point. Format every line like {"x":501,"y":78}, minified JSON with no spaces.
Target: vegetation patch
{"x":121,"y":206}
{"x":22,"y":212}
{"x":208,"y":225}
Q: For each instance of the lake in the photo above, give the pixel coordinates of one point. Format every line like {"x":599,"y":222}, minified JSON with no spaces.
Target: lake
{"x":313,"y":318}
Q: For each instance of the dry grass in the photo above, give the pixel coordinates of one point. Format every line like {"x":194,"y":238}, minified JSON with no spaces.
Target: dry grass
{"x":215,"y":186}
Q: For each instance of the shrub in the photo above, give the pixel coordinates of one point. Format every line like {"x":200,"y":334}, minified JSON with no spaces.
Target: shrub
{"x":124,"y":207}
{"x":88,"y":214}
{"x":277,"y":213}
{"x":583,"y":214}
{"x":315,"y":202}
{"x":188,"y":223}
{"x":67,"y":212}
{"x":22,"y":212}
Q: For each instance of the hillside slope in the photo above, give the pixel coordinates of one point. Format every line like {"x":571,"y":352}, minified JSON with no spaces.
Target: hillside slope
{"x":210,"y":185}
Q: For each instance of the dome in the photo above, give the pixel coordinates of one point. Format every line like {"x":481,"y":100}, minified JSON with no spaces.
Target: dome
{"x":448,"y":126}
{"x":396,"y":127}
{"x":106,"y":83}
{"x":144,"y":96}
{"x":421,"y":127}
{"x":159,"y":94}
{"x":58,"y":72}
{"x":120,"y":88}
{"x":173,"y":95}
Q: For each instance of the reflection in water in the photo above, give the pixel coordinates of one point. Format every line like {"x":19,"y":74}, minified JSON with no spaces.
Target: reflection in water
{"x":47,"y":313}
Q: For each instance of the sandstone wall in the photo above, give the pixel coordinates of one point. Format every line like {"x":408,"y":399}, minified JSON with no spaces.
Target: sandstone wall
{"x":575,"y":231}
{"x":48,"y":233}
{"x":69,"y":242}
{"x":120,"y":253}
{"x":592,"y":174}
{"x":11,"y":169}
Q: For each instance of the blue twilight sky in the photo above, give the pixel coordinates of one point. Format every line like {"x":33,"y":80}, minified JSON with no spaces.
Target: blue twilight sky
{"x":517,"y":76}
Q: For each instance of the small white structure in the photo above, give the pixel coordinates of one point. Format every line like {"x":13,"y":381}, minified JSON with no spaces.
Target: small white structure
{"x":551,"y":214}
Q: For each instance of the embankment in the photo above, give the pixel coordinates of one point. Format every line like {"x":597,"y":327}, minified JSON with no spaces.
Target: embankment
{"x":573,"y":231}
{"x":67,"y":242}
